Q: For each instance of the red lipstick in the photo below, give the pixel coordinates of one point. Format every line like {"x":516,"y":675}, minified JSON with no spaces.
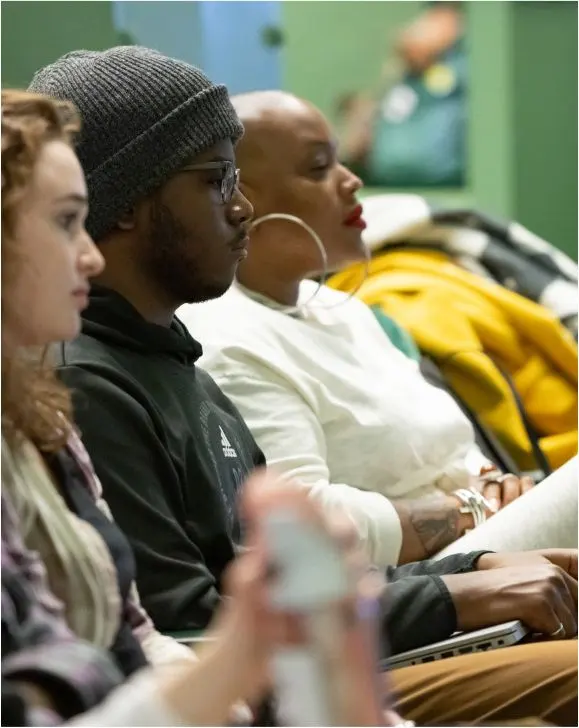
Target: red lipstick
{"x":355,"y":218}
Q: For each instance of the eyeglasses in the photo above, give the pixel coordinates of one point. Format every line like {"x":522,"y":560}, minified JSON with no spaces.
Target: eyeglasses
{"x":230,"y":178}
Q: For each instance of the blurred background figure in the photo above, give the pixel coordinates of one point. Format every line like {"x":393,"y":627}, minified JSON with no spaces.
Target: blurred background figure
{"x":414,"y":132}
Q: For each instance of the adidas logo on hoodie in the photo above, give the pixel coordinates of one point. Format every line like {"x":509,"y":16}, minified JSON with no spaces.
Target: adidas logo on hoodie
{"x":228,"y":450}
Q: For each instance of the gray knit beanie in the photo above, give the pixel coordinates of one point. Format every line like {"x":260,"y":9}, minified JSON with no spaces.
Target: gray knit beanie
{"x":144,"y":115}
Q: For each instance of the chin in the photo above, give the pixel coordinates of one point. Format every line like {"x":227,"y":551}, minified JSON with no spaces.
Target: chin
{"x":40,"y":336}
{"x":68,"y":333}
{"x":349,"y":257}
{"x":350,"y":247}
{"x":208,"y":290}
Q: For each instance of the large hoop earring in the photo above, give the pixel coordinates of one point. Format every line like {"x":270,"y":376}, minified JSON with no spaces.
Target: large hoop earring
{"x":354,"y":291}
{"x":320,"y":246}
{"x":324,"y":258}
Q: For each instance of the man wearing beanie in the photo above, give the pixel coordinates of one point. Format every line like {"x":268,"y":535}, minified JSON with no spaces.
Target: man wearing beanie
{"x":158,"y":150}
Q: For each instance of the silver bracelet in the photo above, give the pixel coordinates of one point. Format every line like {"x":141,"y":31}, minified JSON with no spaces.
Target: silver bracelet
{"x":474,"y":503}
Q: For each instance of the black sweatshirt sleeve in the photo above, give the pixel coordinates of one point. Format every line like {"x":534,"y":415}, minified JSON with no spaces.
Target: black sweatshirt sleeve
{"x":142,"y":490}
{"x":416,"y":606}
{"x":455,"y":564}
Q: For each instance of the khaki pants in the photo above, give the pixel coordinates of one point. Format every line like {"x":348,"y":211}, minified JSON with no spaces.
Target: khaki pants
{"x":538,"y":679}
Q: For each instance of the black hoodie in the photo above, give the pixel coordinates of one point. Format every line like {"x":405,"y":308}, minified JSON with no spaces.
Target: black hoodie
{"x":170,"y":449}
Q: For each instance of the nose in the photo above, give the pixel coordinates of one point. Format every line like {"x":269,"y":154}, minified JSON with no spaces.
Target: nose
{"x":240,"y":209}
{"x":91,"y":261}
{"x":351,"y":183}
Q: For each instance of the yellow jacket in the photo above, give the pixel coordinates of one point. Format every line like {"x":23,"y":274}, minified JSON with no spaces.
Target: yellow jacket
{"x":469,"y":325}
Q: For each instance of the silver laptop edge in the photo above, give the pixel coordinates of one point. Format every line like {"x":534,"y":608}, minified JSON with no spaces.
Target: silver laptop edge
{"x":481,"y":640}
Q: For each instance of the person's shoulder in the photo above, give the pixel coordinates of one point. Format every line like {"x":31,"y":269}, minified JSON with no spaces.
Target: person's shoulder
{"x":96,"y":378}
{"x":83,"y":351}
{"x":88,"y":358}
{"x":231,"y":325}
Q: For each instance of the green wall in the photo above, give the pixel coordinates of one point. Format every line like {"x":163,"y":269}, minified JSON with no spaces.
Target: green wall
{"x":490,"y":104}
{"x":545,"y":119}
{"x":36,"y":33}
{"x":523,"y":114}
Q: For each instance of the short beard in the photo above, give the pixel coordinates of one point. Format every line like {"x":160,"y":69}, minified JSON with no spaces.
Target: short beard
{"x":169,"y":256}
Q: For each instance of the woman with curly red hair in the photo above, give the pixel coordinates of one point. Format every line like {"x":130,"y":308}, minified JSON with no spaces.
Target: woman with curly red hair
{"x":73,"y":631}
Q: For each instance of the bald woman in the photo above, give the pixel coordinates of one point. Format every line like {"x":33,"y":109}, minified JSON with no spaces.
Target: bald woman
{"x":328,"y":397}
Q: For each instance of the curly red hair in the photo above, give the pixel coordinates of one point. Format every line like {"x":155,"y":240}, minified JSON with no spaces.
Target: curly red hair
{"x":35,"y":405}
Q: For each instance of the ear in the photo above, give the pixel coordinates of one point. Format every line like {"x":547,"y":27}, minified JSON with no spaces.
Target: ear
{"x":128,"y":220}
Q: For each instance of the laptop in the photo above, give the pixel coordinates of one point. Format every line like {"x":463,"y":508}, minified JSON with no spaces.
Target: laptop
{"x":461,"y":643}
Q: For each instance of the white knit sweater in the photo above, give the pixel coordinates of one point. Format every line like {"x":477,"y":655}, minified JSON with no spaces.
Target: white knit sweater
{"x":335,"y":405}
